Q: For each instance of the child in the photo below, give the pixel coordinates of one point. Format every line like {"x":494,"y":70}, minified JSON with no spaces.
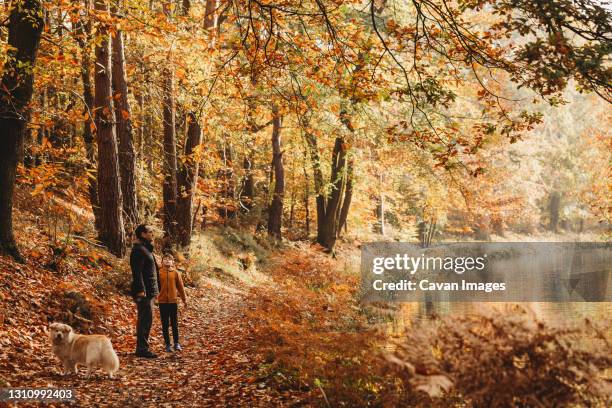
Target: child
{"x":170,"y":284}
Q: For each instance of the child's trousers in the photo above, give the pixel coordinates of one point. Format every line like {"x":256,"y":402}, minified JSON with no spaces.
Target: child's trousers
{"x":168,"y":314}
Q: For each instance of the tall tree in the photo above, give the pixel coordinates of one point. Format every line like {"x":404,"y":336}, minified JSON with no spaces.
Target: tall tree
{"x":225,"y":176}
{"x":306,"y":194}
{"x":187,"y":177}
{"x":332,"y":207}
{"x":25,"y":26}
{"x":112,"y":232}
{"x":247,"y":192}
{"x":328,"y":227}
{"x":275,"y":213}
{"x":83,"y":38}
{"x":170,"y":187}
{"x":186,"y":180}
{"x":346,"y":119}
{"x":348,"y":196}
{"x":123,"y":117}
{"x":170,"y":166}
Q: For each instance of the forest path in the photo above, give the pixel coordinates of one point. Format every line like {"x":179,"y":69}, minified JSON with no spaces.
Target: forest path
{"x":217,"y":367}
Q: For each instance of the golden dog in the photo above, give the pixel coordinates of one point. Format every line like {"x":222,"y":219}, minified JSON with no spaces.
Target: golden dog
{"x":89,"y":350}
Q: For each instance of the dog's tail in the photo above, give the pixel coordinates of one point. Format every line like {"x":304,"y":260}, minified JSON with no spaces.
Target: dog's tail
{"x":111,"y":365}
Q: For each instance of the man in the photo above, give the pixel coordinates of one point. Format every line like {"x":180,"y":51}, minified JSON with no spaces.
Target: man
{"x":145,"y":276}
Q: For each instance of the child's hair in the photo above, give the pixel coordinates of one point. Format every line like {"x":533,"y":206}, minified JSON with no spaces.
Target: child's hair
{"x":168,"y":255}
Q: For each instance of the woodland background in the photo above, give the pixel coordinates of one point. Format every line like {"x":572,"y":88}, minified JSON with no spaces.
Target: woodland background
{"x":266,"y":140}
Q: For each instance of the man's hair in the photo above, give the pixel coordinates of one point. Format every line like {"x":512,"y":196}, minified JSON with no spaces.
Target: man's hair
{"x":140,"y":229}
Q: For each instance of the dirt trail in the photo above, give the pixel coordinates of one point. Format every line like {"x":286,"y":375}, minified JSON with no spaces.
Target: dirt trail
{"x":217,"y":368}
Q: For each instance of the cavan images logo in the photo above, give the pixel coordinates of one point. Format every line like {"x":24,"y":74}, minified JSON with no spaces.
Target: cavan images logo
{"x":494,"y":272}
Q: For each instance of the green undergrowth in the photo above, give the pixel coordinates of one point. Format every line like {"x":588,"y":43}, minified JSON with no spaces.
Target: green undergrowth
{"x":228,"y":255}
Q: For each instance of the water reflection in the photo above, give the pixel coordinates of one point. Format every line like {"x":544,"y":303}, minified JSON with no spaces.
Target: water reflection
{"x":531,"y":272}
{"x":552,"y":314}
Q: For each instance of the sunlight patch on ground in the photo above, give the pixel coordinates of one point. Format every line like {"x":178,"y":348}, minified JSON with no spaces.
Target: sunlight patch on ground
{"x":235,"y":262}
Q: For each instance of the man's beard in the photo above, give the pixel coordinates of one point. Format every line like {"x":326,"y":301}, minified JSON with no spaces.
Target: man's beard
{"x":147,"y":244}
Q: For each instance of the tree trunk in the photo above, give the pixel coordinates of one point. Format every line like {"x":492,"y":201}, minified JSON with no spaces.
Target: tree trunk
{"x":380,"y":208}
{"x":380,"y":214}
{"x":225,"y":175}
{"x":348,"y":196}
{"x":88,"y":139}
{"x":306,"y":197}
{"x":42,"y":132}
{"x":292,"y":199}
{"x":554,"y":208}
{"x":25,"y":26}
{"x":311,"y":141}
{"x":248,"y":185}
{"x":211,"y":16}
{"x":333,"y":211}
{"x":187,"y":180}
{"x":275,"y":214}
{"x":327,"y":234}
{"x":141,"y":127}
{"x":83,"y":31}
{"x":123,"y":116}
{"x":149,"y":133}
{"x":186,"y":5}
{"x":187,"y":177}
{"x":247,"y":195}
{"x":112,"y":233}
{"x":432,"y":231}
{"x":170,"y":167}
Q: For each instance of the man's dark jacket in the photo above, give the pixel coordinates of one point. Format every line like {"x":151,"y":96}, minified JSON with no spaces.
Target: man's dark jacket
{"x":144,"y":270}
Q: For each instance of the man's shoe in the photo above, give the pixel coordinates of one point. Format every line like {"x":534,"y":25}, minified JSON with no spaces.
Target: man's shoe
{"x":168,"y":348}
{"x":177,"y":347}
{"x":146,"y":354}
